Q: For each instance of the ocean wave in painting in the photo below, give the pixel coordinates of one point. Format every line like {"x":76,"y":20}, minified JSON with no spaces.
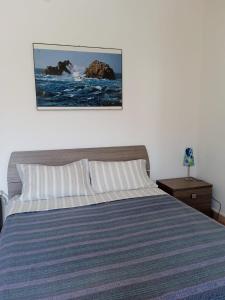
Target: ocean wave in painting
{"x":76,"y":90}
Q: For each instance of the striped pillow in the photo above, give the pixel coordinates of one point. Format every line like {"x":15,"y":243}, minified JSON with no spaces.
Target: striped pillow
{"x":44,"y":182}
{"x":118,"y":176}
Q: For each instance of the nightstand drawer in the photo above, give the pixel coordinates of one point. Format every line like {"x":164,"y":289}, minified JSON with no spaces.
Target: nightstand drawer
{"x":197,"y":198}
{"x":194,"y":194}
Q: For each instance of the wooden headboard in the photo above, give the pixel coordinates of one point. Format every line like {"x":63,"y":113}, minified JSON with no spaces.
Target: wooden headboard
{"x":65,"y":156}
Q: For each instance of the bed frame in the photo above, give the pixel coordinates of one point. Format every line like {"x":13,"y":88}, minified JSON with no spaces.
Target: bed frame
{"x":65,"y":156}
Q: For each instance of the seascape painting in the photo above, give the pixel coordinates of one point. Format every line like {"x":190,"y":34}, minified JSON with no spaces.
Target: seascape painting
{"x":69,"y":77}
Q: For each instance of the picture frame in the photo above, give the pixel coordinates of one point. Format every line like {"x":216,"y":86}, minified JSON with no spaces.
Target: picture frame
{"x":77,"y":77}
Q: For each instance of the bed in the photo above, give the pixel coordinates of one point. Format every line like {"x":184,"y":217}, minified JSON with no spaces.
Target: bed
{"x":141,"y":244}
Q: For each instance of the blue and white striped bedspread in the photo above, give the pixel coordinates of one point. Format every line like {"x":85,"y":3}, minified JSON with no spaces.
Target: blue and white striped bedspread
{"x":145,"y":248}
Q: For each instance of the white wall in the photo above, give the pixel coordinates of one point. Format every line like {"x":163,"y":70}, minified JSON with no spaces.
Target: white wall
{"x":212,"y":116}
{"x":161,"y":42}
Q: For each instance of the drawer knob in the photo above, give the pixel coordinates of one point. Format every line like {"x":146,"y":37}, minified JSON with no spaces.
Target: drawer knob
{"x":193,"y":196}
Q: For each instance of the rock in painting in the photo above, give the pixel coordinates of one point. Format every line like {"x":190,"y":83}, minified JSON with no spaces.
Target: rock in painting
{"x":62,"y":66}
{"x":100,"y":70}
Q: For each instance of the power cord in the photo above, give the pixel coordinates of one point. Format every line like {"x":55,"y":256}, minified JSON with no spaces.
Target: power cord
{"x":220,"y":205}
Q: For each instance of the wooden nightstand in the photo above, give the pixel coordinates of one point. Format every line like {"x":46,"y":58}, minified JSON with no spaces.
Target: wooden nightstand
{"x":195,"y":193}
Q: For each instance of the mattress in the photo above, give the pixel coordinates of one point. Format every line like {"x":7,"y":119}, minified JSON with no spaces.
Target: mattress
{"x":151,"y":247}
{"x":15,"y":205}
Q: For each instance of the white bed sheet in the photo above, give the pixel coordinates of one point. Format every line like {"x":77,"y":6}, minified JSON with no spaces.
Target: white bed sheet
{"x":15,"y":205}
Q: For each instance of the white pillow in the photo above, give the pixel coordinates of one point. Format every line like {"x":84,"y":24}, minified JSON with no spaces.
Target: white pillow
{"x":44,"y":182}
{"x":118,"y":176}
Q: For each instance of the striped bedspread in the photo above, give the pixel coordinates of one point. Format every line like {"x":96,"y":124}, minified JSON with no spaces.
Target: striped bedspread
{"x":145,"y":248}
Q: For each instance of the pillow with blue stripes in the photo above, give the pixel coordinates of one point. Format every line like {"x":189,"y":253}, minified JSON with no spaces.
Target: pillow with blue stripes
{"x":109,"y":176}
{"x":45,"y":182}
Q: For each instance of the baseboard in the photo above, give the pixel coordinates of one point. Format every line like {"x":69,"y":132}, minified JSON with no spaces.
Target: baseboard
{"x":219,"y":218}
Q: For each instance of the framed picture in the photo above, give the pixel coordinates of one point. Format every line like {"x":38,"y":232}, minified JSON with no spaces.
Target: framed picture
{"x":77,"y":77}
